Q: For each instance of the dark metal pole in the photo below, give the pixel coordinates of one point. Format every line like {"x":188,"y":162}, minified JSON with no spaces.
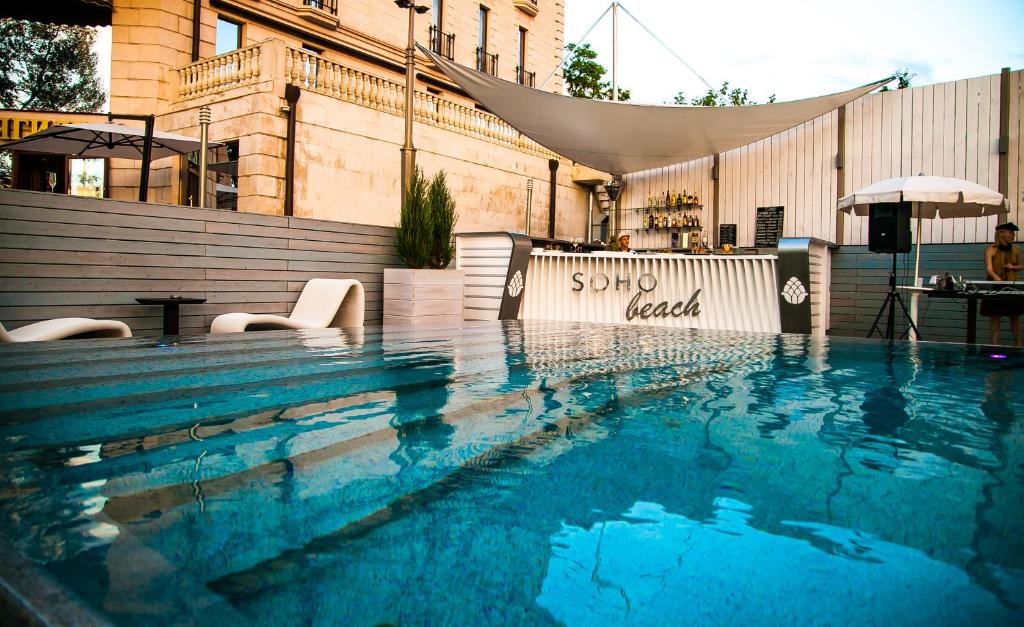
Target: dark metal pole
{"x":553,"y":167}
{"x":147,"y":148}
{"x":196,"y":12}
{"x":147,"y":157}
{"x":291,"y":95}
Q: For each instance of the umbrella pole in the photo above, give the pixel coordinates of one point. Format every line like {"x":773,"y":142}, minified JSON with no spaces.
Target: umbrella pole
{"x":147,"y":156}
{"x":917,"y":269}
{"x":917,"y":255}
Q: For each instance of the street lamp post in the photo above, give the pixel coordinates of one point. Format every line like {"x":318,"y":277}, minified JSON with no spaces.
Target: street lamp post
{"x":408,"y":151}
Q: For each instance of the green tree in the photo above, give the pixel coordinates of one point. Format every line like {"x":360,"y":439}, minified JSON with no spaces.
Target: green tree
{"x":584,"y":75}
{"x":442,"y":218}
{"x":423,"y":238}
{"x":47,"y":66}
{"x":903,"y":78}
{"x":722,"y":97}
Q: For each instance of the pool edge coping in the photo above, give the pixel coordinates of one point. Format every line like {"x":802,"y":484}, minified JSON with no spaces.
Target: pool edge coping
{"x":30,"y":595}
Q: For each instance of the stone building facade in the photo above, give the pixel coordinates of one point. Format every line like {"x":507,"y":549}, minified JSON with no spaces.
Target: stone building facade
{"x":343,"y":61}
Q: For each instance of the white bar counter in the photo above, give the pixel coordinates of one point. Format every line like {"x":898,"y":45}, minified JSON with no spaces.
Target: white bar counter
{"x":733,"y":292}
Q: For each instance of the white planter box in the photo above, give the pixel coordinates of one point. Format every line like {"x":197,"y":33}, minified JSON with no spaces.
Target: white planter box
{"x":419,"y":297}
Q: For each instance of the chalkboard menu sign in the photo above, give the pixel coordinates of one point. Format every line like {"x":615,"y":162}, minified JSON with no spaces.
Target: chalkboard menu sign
{"x":727,"y":234}
{"x":769,"y":227}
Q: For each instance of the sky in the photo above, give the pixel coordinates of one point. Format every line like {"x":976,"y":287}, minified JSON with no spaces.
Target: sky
{"x":798,"y":49}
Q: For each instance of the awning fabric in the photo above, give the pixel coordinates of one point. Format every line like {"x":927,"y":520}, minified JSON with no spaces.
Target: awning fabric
{"x":104,"y":140}
{"x":620,"y":137}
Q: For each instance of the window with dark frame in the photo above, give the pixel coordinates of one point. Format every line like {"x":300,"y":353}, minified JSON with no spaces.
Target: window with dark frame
{"x":437,"y":15}
{"x":485,"y":62}
{"x":522,"y":76}
{"x":522,"y":47}
{"x":441,"y":43}
{"x":229,"y":35}
{"x":482,"y":38}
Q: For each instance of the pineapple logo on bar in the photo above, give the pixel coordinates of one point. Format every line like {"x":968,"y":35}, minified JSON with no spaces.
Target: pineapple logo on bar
{"x":515,"y":286}
{"x":794,"y":292}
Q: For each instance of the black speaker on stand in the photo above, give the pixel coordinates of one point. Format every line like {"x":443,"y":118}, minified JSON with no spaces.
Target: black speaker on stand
{"x":889,"y":232}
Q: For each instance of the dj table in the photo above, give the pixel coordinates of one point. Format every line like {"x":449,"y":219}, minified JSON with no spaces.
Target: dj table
{"x":980,"y":290}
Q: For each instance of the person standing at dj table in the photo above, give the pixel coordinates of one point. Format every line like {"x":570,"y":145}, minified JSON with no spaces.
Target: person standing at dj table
{"x":1003,"y":263}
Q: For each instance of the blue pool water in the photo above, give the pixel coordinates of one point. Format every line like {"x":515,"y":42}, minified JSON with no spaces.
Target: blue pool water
{"x":518,"y":473}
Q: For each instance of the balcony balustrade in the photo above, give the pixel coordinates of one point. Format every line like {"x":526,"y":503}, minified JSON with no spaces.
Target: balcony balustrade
{"x":525,"y":78}
{"x":486,"y":62}
{"x":442,"y":43}
{"x":268,"y":63}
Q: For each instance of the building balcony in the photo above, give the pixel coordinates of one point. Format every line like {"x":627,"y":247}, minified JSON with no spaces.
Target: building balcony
{"x":528,"y":7}
{"x":525,"y":78}
{"x":486,"y":62}
{"x":324,"y":12}
{"x":267,"y":66}
{"x":442,"y":43}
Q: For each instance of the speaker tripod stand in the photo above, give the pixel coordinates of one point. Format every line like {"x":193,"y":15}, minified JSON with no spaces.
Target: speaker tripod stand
{"x":889,"y":303}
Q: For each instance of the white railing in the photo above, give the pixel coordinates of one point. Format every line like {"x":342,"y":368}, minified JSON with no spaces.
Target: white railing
{"x":231,"y":69}
{"x":330,"y":78}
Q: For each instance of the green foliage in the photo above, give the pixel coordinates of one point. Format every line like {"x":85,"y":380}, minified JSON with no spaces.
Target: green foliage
{"x":583,"y":75}
{"x":442,"y":215}
{"x":412,"y":239}
{"x":48,"y":66}
{"x":903,"y":78}
{"x":723,"y":97}
{"x":424,"y":234}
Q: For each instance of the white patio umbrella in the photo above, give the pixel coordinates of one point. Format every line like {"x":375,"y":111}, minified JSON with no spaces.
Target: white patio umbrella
{"x":930,"y":197}
{"x":106,"y":140}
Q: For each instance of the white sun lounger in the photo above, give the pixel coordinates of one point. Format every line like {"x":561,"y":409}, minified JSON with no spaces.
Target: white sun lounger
{"x":323,"y":303}
{"x":64,"y":328}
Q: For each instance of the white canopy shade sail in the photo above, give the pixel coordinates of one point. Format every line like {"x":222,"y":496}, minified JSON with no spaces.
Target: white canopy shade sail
{"x":620,"y":138}
{"x":104,"y":140}
{"x":931,"y":196}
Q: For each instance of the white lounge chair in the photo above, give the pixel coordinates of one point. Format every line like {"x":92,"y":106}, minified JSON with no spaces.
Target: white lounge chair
{"x":323,"y":303}
{"x":65,"y":328}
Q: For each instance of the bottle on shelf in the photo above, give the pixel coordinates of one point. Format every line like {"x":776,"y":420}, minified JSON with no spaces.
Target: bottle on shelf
{"x":696,"y":221}
{"x":675,"y":220}
{"x":696,"y":201}
{"x":650,"y":220}
{"x":664,"y":221}
{"x":665,"y":204}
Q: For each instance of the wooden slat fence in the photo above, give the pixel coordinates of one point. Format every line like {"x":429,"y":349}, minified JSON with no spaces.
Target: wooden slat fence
{"x":63,"y":256}
{"x":947,"y":129}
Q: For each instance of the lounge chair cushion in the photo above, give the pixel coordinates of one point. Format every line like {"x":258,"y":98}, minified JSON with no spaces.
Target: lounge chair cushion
{"x":64,"y":328}
{"x":323,"y":302}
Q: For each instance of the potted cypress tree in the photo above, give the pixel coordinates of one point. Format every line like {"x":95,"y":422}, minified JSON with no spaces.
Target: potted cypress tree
{"x":426,"y":291}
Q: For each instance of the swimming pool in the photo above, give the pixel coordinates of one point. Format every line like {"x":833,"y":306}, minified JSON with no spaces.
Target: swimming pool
{"x":517,"y":473}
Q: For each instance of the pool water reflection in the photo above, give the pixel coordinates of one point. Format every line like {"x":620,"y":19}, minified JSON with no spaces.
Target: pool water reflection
{"x":528,"y":473}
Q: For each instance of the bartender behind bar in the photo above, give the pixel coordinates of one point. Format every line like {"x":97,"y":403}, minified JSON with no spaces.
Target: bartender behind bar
{"x":1003,"y":263}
